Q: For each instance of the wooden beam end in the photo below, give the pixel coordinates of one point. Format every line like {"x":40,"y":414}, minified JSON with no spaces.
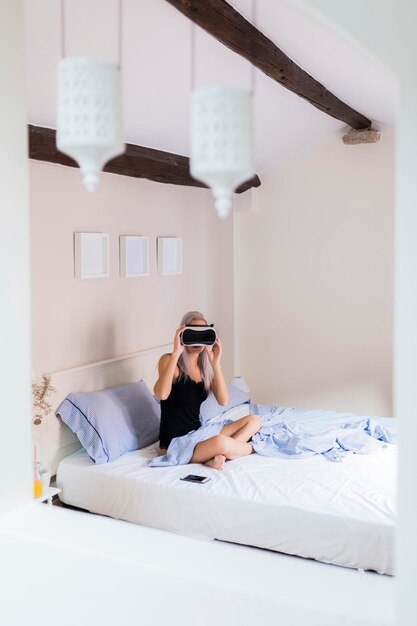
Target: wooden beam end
{"x":354,"y":137}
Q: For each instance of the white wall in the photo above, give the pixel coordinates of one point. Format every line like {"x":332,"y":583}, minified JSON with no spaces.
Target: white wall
{"x":387,"y":30}
{"x":314,"y":280}
{"x":79,"y":321}
{"x":15,"y":447}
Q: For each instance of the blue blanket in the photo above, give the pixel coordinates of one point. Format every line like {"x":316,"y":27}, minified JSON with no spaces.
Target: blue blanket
{"x":290,"y":433}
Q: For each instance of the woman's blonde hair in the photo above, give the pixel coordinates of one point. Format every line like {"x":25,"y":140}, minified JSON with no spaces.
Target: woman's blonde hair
{"x":203,"y":358}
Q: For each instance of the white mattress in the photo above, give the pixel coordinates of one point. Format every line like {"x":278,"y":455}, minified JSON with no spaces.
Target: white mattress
{"x":342,"y":513}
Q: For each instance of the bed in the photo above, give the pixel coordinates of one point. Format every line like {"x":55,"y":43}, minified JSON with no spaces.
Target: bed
{"x":339,"y":513}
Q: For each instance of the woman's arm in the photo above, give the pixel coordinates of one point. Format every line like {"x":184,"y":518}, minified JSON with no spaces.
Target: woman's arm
{"x":218,"y":385}
{"x":167,"y":369}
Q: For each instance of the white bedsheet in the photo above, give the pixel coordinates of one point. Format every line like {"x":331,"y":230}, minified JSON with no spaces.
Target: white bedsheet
{"x":342,"y":513}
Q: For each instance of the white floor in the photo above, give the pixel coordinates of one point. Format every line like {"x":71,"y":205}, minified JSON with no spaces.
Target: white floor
{"x":64,"y":567}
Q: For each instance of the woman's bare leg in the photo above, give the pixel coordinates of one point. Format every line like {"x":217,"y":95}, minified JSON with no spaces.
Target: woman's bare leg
{"x":231,"y":443}
{"x":217,"y":450}
{"x":217,"y":462}
{"x":220,"y":445}
{"x":243,"y":429}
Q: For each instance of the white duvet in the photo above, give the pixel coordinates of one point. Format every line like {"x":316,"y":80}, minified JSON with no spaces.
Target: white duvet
{"x":342,"y":513}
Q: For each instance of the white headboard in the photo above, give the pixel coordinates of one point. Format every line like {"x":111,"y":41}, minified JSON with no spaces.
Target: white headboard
{"x":53,"y":439}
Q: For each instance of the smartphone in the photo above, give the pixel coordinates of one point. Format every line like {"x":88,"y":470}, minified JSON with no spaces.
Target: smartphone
{"x":192,"y":478}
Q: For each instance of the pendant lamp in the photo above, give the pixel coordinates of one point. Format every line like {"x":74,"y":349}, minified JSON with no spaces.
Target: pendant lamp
{"x":221,"y":135}
{"x":221,"y":141}
{"x":89,"y":119}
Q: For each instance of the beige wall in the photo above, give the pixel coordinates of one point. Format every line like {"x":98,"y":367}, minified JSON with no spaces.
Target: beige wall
{"x":314,"y":280}
{"x":78,"y":321}
{"x":313,"y":261}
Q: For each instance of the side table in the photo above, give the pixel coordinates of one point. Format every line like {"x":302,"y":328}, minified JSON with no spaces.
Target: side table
{"x":48,"y":494}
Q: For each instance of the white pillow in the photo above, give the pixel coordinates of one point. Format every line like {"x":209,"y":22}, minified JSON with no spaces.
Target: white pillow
{"x":238,"y":395}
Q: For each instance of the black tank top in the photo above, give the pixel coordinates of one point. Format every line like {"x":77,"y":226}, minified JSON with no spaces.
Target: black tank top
{"x":181,"y":410}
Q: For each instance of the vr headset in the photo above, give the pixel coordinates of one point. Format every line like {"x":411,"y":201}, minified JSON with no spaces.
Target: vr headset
{"x":198,"y":335}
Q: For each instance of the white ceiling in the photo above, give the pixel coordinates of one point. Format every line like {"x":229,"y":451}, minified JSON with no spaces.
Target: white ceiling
{"x":156,"y":71}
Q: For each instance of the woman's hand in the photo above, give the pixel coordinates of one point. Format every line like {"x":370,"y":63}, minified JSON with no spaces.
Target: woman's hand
{"x":215,"y":353}
{"x":178,"y":347}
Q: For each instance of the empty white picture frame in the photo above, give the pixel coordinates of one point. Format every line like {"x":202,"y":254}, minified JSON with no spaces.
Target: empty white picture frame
{"x":91,"y":255}
{"x":169,"y":255}
{"x":134,"y":256}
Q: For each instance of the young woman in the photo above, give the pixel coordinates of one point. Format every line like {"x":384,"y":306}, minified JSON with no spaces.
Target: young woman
{"x":185,"y":378}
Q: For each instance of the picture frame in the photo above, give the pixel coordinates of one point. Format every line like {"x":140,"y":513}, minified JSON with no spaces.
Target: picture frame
{"x":169,"y":255}
{"x":134,"y":256}
{"x":91,"y":255}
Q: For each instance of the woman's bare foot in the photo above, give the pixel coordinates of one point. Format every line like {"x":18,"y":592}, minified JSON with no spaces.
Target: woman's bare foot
{"x":218,"y":462}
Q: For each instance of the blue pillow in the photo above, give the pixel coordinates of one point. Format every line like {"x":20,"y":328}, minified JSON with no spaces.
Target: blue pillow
{"x":114,"y":421}
{"x":238,"y":394}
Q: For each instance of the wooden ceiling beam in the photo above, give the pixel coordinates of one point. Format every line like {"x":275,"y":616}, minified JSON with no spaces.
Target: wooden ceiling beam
{"x":229,"y":27}
{"x":137,"y":161}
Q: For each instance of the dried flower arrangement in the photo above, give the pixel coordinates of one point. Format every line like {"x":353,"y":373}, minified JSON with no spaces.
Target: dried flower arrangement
{"x":40,"y":392}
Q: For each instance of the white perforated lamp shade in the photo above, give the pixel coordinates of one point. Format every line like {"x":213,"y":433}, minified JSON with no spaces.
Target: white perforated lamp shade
{"x":221,"y":141}
{"x":89,"y":121}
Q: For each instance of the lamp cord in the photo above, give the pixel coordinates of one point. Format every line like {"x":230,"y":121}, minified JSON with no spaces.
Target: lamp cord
{"x":119,"y":43}
{"x":63,"y":42}
{"x":192,"y":57}
{"x":119,"y":60}
{"x":253,"y":69}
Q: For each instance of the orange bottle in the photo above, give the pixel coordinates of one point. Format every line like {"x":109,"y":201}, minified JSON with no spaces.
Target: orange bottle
{"x":37,"y":481}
